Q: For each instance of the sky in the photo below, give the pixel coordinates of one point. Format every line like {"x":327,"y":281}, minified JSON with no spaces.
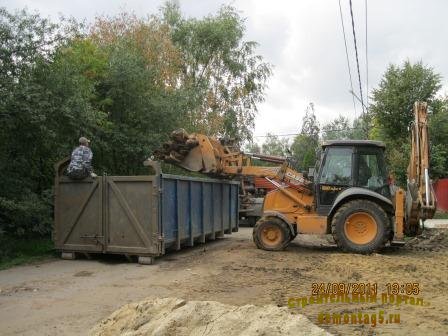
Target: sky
{"x":303,"y":40}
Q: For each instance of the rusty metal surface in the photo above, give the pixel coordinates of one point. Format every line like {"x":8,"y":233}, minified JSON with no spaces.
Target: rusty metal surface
{"x":141,"y":215}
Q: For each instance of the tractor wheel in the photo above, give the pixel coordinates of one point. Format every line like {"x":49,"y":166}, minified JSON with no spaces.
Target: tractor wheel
{"x":271,"y":234}
{"x":360,"y":226}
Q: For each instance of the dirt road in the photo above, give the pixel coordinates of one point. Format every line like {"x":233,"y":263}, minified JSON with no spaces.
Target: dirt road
{"x":68,"y":297}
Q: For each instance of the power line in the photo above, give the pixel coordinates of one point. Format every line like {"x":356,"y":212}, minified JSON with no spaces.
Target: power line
{"x":365,"y":129}
{"x":278,"y":135}
{"x":346,"y":54}
{"x":357,"y":59}
{"x":367,"y":66}
{"x":357,"y":98}
{"x":294,"y":134}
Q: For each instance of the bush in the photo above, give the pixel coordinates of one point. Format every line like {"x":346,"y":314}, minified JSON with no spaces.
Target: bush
{"x":27,"y":216}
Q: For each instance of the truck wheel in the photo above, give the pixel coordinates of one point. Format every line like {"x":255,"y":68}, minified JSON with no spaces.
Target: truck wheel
{"x":360,"y":226}
{"x":271,"y":234}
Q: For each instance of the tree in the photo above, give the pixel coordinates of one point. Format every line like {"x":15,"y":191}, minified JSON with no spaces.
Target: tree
{"x":392,"y":110}
{"x":438,"y":134}
{"x":126,"y":82}
{"x":274,"y":146}
{"x":310,"y":126}
{"x":305,"y":144}
{"x":224,"y":77}
{"x":362,"y":127}
{"x":341,"y":129}
{"x":399,"y":88}
{"x":29,"y":131}
{"x":139,"y":92}
{"x":338,"y":129}
{"x":253,"y":147}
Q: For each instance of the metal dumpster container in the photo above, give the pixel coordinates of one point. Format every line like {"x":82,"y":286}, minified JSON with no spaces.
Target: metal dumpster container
{"x":141,"y":215}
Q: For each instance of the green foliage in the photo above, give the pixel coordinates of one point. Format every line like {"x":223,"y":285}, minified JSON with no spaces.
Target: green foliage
{"x":26,"y":215}
{"x":16,"y":251}
{"x":400,"y":87}
{"x":338,"y":129}
{"x":139,"y":113}
{"x":397,"y":158}
{"x":273,"y":145}
{"x":362,"y":127}
{"x":253,"y":147}
{"x":304,"y":150}
{"x":438,"y":121}
{"x":441,"y":215}
{"x":223,"y":75}
{"x":28,"y":129}
{"x":126,"y":83}
{"x":392,"y":112}
{"x":438,"y":132}
{"x":306,"y":144}
{"x":341,"y":129}
{"x":439,"y":161}
{"x":310,"y":126}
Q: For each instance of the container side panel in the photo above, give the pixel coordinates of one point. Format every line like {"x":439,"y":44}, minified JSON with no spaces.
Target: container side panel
{"x":226,"y":207}
{"x":184,"y":218}
{"x":234,"y":206}
{"x":208,"y":208}
{"x":169,"y":211}
{"x":217,"y":206}
{"x":129,"y":212}
{"x":79,"y":215}
{"x":196,"y":208}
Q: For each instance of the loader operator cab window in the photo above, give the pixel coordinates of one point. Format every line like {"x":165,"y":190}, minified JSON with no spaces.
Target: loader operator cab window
{"x":337,"y":169}
{"x":371,"y":172}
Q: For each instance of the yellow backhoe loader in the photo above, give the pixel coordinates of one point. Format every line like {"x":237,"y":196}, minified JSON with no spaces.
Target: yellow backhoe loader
{"x":349,"y":196}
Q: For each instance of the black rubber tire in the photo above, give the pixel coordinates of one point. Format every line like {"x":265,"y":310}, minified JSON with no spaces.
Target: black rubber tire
{"x":284,"y":229}
{"x":374,"y":210}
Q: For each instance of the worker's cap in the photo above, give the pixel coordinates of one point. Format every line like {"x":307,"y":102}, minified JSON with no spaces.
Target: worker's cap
{"x":84,"y":141}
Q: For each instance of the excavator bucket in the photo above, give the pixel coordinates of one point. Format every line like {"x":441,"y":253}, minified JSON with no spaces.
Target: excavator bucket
{"x":193,"y":152}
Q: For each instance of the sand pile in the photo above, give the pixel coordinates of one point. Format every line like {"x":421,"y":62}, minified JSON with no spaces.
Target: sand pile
{"x":172,"y":316}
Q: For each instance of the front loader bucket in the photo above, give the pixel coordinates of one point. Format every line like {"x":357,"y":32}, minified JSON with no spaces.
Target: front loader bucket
{"x":193,"y":152}
{"x":193,"y":160}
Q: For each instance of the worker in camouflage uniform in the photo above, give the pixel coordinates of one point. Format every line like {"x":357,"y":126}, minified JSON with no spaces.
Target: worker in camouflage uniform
{"x":81,"y":161}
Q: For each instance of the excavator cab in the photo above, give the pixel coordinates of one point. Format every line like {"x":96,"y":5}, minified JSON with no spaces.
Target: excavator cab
{"x":349,"y":163}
